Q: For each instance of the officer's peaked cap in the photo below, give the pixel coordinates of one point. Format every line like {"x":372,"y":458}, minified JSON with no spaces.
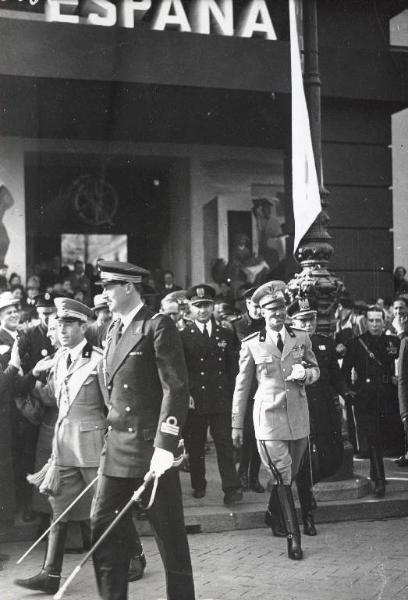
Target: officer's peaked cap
{"x":45,"y":300}
{"x":99,"y":302}
{"x":201,"y":293}
{"x":302,"y":307}
{"x":119,"y":272}
{"x":270,"y":294}
{"x":69,"y":309}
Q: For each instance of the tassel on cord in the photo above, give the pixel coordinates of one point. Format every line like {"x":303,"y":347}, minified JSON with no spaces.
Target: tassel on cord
{"x":37,"y":478}
{"x":51,"y":482}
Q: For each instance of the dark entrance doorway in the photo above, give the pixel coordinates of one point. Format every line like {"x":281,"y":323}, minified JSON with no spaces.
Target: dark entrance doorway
{"x":96,"y":194}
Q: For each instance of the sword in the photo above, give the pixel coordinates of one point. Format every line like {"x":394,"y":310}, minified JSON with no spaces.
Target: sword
{"x":43,"y":535}
{"x":135,"y":497}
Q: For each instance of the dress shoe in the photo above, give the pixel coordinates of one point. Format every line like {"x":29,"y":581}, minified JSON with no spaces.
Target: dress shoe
{"x":309,"y":525}
{"x":232,"y":497}
{"x":199,"y":493}
{"x":256,"y":486}
{"x":43,"y":582}
{"x":244,"y":481}
{"x":402,"y":461}
{"x":137,"y":567}
{"x":379,"y":489}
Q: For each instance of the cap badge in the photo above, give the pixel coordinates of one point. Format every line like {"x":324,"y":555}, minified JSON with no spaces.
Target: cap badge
{"x":200,"y":292}
{"x":47,"y":296}
{"x":304,"y":304}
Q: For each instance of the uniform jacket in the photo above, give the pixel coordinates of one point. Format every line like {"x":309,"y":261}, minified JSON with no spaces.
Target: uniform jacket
{"x":5,"y":340}
{"x":376,"y":392}
{"x":81,"y":423}
{"x":280,"y":408}
{"x":403,"y":378}
{"x":146,"y":378}
{"x":212,"y":365}
{"x":324,"y":413}
{"x":34,"y":345}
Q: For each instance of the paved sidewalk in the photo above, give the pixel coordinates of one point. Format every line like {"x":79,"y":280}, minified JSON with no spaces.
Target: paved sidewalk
{"x":365,"y":560}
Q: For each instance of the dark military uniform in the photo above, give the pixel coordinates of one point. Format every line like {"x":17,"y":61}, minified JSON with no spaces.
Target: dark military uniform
{"x":146,"y":379}
{"x":376,"y":403}
{"x":33,"y":345}
{"x":212,"y":367}
{"x":325,"y":425}
{"x":250,"y":463}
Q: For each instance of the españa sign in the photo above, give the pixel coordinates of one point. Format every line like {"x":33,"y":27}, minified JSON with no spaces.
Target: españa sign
{"x":197,"y":16}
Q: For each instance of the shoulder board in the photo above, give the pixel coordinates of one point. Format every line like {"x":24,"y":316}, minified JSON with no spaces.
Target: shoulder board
{"x":156,"y":315}
{"x":250,"y":336}
{"x":87,"y":351}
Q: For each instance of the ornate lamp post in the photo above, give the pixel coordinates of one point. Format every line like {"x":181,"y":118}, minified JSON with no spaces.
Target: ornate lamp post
{"x":315,"y":249}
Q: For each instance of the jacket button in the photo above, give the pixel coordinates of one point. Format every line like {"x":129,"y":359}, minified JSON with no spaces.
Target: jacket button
{"x":203,"y":387}
{"x":127,"y":409}
{"x":220,"y":387}
{"x":110,"y":428}
{"x":130,"y":430}
{"x":201,"y":359}
{"x":219,"y":372}
{"x":220,"y":358}
{"x":109,"y":387}
{"x":202,"y":373}
{"x":110,"y":406}
{"x":125,"y":385}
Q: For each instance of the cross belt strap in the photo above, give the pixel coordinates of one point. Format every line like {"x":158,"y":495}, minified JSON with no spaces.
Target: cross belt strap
{"x":370,"y":353}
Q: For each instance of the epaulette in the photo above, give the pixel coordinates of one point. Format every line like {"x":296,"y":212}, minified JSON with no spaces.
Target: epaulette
{"x":250,"y":336}
{"x":290,"y":329}
{"x":156,"y":315}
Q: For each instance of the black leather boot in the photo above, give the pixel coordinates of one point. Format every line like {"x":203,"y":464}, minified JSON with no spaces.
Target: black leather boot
{"x":137,"y":567}
{"x":377,"y":472}
{"x":48,"y":579}
{"x":306,"y":501}
{"x":273,"y":515}
{"x":291,"y":521}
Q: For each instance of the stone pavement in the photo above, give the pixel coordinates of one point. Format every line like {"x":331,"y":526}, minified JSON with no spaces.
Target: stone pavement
{"x":365,"y":560}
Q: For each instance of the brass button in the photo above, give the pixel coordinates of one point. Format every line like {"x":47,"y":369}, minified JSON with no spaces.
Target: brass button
{"x":130,"y":430}
{"x":202,"y":373}
{"x":125,"y":385}
{"x":203,"y":387}
{"x":110,"y":428}
{"x":127,"y":409}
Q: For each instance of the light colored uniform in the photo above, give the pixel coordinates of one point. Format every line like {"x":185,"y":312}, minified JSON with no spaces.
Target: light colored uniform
{"x":281,"y":415}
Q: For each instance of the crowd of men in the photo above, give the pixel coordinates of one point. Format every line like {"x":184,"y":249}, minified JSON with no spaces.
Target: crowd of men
{"x":96,"y":394}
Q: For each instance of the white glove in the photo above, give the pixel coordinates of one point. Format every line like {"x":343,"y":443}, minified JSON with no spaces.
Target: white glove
{"x":161,"y":461}
{"x":298,"y":373}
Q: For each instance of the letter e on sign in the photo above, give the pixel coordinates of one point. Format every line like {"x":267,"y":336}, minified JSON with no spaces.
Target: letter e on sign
{"x":53,"y":11}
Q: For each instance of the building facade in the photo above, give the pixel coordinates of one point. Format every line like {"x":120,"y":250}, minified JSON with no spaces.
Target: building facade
{"x":168,"y":123}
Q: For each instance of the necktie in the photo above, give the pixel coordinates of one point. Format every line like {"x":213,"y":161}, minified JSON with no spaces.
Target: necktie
{"x":69,"y":361}
{"x":120,"y":332}
{"x":280,"y":343}
{"x":205,"y":332}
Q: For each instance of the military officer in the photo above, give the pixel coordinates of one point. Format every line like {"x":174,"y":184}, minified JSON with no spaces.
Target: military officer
{"x":373,"y":355}
{"x":33,"y":345}
{"x":403,"y":397}
{"x":250,"y":463}
{"x":78,"y":435}
{"x":211,"y":357}
{"x":324,"y":410}
{"x":146,"y":379}
{"x":283,"y":362}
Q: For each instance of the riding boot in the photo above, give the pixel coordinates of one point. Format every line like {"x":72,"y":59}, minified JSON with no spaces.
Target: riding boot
{"x":273,"y":515}
{"x":254,"y":467}
{"x":377,"y":471}
{"x":291,"y":521}
{"x":306,"y":503}
{"x":85,"y":527}
{"x":48,"y":579}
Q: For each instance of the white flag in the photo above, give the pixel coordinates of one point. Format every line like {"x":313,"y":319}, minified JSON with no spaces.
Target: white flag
{"x":305,"y":189}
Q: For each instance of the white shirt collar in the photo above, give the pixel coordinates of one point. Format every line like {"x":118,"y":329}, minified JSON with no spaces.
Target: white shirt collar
{"x":207,"y":325}
{"x":274,"y":334}
{"x":77,"y":350}
{"x":127,"y":319}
